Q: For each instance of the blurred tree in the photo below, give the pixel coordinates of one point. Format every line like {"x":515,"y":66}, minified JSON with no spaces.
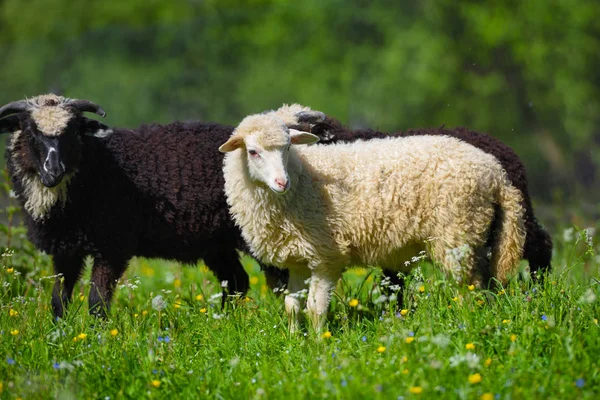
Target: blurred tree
{"x":526,"y":72}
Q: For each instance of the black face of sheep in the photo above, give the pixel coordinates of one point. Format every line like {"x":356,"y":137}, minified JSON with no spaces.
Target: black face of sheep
{"x":47,"y":134}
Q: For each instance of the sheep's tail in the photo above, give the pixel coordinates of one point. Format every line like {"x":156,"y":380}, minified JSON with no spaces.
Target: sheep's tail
{"x":509,"y":242}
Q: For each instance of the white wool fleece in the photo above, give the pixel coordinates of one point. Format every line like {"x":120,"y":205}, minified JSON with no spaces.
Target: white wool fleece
{"x":377,"y":202}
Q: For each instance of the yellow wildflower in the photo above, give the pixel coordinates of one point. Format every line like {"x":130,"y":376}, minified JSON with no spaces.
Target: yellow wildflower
{"x":405,"y":371}
{"x":421,"y":289}
{"x":114,"y":332}
{"x":381,"y":349}
{"x":10,"y":270}
{"x":487,"y":362}
{"x":254,"y":280}
{"x":14,"y":332}
{"x":403,"y":312}
{"x":144,"y":313}
{"x":404,"y":359}
{"x":199,"y":297}
{"x":81,"y":297}
{"x":506,"y":321}
{"x":409,"y":339}
{"x":353,"y":303}
{"x":487,"y":396}
{"x":501,"y":292}
{"x":177,"y":304}
{"x":135,"y":315}
{"x":416,"y":389}
{"x":470,"y":346}
{"x":596,"y":321}
{"x":13,"y":313}
{"x":203,"y":310}
{"x":155,"y":383}
{"x":455,"y":299}
{"x":326,"y":335}
{"x":475,"y":378}
{"x":513,"y":338}
{"x":471,"y":287}
{"x":177,"y":283}
{"x":82,"y":336}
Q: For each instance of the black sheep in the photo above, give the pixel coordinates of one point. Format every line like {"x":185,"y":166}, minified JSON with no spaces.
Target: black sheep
{"x":156,"y":191}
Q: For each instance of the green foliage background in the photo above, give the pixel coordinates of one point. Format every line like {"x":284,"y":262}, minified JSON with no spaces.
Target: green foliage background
{"x":526,"y":72}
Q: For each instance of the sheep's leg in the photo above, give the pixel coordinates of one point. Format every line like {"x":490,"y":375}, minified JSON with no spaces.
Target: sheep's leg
{"x":322,"y":283}
{"x":227,"y":266}
{"x":69,"y":267}
{"x":293,"y":300}
{"x":104,"y":279}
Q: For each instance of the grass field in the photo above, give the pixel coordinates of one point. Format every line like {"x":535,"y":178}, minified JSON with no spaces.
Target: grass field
{"x":168,"y":337}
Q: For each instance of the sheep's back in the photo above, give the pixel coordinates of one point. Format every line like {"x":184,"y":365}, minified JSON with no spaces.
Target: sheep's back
{"x":386,"y":193}
{"x":177,"y":168}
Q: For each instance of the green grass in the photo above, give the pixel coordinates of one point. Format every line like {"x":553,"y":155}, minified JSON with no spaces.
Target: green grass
{"x":532,"y":340}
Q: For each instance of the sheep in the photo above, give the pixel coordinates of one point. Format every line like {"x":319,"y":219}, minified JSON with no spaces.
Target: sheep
{"x":315,"y":210}
{"x":86,"y":189}
{"x":538,"y":243}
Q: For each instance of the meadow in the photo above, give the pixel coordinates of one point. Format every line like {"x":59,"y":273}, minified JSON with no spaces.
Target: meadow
{"x":167,"y":335}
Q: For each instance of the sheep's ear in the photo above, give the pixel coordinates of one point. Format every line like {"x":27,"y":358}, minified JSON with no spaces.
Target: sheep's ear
{"x":299,"y":137}
{"x":234,"y":143}
{"x":9,"y":124}
{"x":91,"y":127}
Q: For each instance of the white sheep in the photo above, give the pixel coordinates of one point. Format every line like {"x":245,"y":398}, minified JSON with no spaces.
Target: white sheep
{"x":317,"y":210}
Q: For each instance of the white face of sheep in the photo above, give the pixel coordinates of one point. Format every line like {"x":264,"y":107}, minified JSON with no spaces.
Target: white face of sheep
{"x":267,"y":151}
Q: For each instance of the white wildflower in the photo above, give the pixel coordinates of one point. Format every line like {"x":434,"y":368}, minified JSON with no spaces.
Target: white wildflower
{"x":589,"y":236}
{"x":381,"y":299}
{"x":440,"y":340}
{"x":568,"y":235}
{"x":159,"y":303}
{"x":588,"y":297}
{"x":456,"y":360}
{"x":472,"y":359}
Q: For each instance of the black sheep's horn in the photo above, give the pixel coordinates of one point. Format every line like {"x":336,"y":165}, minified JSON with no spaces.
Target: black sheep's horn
{"x":9,"y":124}
{"x":87,"y":106}
{"x":14,"y":107}
{"x":311,"y":117}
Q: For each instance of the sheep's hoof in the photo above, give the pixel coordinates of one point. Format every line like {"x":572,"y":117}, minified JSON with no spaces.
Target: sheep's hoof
{"x":311,"y":117}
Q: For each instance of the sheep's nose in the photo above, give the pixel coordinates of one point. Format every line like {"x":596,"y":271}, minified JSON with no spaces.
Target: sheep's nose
{"x":52,"y":164}
{"x":282,"y":183}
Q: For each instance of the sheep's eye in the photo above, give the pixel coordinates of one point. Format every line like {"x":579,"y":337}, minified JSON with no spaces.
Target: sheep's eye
{"x":253,"y":153}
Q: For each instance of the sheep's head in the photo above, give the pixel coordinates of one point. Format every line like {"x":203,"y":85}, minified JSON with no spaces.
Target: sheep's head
{"x":47,"y":134}
{"x":265,"y":141}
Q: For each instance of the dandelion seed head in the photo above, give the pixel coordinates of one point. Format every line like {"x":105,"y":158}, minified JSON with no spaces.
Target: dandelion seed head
{"x":158,"y":303}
